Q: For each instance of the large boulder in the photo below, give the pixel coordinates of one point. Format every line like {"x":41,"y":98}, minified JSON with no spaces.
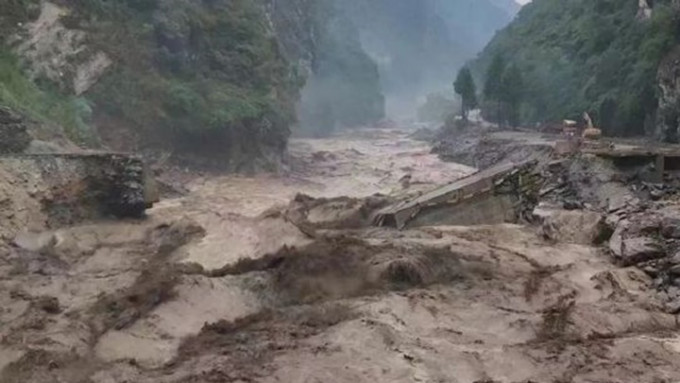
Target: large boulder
{"x":574,"y":226}
{"x":670,"y":223}
{"x":634,"y":250}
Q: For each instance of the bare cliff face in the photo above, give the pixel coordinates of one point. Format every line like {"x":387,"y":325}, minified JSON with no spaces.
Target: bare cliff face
{"x":51,"y":50}
{"x":668,"y":79}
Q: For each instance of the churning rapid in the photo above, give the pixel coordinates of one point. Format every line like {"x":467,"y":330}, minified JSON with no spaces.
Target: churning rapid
{"x":211,"y":191}
{"x":245,"y":279}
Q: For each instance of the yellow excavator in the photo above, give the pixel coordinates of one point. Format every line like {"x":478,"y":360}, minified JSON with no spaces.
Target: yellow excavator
{"x":590,"y":135}
{"x":590,"y":132}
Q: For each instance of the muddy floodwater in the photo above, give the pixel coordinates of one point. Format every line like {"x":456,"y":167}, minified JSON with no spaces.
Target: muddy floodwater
{"x":222,"y":285}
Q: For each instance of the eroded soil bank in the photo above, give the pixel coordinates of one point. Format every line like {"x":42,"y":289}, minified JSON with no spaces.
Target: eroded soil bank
{"x":280,"y":278}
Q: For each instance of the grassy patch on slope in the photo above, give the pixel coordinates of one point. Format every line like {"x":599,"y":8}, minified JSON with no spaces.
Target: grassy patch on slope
{"x":20,"y":93}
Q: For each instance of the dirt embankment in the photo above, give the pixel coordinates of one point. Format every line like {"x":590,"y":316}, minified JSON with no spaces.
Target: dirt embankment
{"x":234,"y":283}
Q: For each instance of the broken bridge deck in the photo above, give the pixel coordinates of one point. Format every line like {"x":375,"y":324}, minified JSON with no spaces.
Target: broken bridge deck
{"x":665,"y":157}
{"x":457,"y":192}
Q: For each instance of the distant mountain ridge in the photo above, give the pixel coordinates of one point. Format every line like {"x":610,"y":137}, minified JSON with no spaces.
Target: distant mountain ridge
{"x":420,"y":45}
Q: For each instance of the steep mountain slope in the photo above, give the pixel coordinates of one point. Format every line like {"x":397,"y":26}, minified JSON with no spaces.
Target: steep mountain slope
{"x":210,"y":79}
{"x":596,"y":56}
{"x":344,"y":89}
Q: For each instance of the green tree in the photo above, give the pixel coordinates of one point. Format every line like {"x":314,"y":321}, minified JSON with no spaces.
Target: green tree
{"x":511,"y":95}
{"x":493,"y":86}
{"x":576,"y":54}
{"x":465,"y":87}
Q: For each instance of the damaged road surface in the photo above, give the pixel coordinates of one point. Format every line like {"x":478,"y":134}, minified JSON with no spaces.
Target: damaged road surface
{"x":247,"y":280}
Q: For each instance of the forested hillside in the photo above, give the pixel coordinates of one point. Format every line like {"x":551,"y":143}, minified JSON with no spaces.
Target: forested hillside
{"x":213,"y":79}
{"x":223,"y":82}
{"x":583,"y":55}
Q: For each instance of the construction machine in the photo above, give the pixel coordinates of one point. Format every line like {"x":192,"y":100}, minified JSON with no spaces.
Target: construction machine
{"x":589,"y":135}
{"x":590,"y":132}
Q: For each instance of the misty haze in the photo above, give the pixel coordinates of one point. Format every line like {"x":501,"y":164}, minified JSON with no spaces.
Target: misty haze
{"x":473,"y":191}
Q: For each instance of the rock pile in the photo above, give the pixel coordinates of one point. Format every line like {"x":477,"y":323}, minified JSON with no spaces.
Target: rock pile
{"x":586,"y":199}
{"x":648,"y":236}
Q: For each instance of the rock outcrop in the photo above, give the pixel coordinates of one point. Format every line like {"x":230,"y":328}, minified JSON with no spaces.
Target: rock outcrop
{"x":644,"y":10}
{"x":60,"y":54}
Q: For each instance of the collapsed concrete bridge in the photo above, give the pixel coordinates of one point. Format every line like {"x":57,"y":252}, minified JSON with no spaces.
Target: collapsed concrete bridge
{"x":502,"y":193}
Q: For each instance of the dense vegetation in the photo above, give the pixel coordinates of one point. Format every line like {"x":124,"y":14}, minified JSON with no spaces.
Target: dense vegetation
{"x":504,"y":90}
{"x":584,"y":55}
{"x":218,"y":78}
{"x":202,"y":76}
{"x":467,"y":90}
{"x":42,"y":103}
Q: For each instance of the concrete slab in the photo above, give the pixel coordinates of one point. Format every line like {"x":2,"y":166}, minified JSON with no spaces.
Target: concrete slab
{"x":478,"y":184}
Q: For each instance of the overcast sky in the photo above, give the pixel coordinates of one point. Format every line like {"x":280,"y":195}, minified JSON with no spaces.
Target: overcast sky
{"x":522,"y":1}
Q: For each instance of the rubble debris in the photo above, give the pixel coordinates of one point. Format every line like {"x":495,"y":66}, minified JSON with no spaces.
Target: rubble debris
{"x":624,"y":187}
{"x":486,"y":150}
{"x":670,"y":227}
{"x":632,"y":251}
{"x":571,"y":225}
